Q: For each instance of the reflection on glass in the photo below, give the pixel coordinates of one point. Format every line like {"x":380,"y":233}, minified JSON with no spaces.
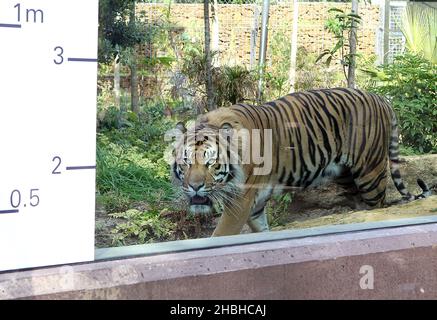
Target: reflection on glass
{"x":187,"y":148}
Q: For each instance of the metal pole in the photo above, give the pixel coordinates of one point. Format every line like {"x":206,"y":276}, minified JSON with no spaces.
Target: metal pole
{"x":293,"y":50}
{"x":386,"y":30}
{"x":263,"y":45}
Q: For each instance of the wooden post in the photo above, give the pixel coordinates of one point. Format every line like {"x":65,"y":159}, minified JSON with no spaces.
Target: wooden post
{"x":133,"y":67}
{"x":208,"y":82}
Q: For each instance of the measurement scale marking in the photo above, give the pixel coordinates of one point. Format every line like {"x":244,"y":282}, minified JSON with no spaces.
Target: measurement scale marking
{"x":80,"y":167}
{"x":8,"y":211}
{"x":82,"y":60}
{"x":9,"y":25}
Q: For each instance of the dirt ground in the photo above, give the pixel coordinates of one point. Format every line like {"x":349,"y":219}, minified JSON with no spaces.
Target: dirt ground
{"x":316,"y":207}
{"x":325,"y":205}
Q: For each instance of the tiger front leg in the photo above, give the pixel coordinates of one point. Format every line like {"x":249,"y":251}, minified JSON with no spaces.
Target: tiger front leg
{"x":258,"y":220}
{"x":234,"y":216}
{"x":231,"y":223}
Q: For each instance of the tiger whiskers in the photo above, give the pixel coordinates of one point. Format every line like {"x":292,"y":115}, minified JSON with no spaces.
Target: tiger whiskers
{"x":227,"y":203}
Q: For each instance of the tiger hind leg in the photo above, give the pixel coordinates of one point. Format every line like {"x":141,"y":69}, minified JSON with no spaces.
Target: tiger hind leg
{"x":351,"y":194}
{"x":372,"y":186}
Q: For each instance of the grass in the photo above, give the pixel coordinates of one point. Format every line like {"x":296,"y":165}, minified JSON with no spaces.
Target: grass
{"x":127,"y":174}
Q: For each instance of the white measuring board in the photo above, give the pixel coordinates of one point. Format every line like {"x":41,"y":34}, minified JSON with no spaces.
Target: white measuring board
{"x":48,"y":77}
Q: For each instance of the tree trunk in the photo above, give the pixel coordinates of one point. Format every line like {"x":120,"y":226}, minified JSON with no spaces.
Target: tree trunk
{"x":293,"y":53}
{"x":352,"y":48}
{"x":208,"y":83}
{"x":117,"y":80}
{"x":133,"y":68}
{"x":254,"y":36}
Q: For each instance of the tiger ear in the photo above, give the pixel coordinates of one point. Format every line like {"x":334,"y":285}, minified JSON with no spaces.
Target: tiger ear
{"x":226,"y":126}
{"x":226,"y":129}
{"x":181,"y":127}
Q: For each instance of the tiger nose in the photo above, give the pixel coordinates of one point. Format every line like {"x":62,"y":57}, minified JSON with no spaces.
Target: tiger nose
{"x":196,"y":186}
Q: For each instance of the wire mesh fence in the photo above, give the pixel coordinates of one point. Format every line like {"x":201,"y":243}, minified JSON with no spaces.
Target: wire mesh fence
{"x":396,"y":38}
{"x":236,"y":24}
{"x":177,"y":26}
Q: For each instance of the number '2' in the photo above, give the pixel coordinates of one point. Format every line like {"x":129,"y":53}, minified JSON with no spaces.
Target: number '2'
{"x":58,"y":159}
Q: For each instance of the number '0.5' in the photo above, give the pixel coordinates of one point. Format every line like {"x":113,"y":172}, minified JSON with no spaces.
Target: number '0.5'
{"x":15,"y":198}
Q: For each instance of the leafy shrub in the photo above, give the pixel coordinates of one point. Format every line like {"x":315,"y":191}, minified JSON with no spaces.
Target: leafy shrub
{"x":309,"y":74}
{"x":278,"y":209}
{"x":232,"y":84}
{"x":141,"y":227}
{"x":362,"y":78}
{"x":278,"y":63}
{"x":419,"y":26}
{"x":236,"y":84}
{"x":410,"y":82}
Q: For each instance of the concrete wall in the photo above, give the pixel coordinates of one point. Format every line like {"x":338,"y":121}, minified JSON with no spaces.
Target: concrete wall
{"x":332,"y":266}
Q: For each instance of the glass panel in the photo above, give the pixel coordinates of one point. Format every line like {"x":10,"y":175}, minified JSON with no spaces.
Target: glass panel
{"x":153,"y":74}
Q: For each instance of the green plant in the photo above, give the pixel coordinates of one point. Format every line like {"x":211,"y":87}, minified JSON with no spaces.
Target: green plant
{"x":278,"y":209}
{"x":278,"y":66}
{"x":363,"y":79}
{"x":113,"y":201}
{"x":410,"y":82}
{"x":232,"y":84}
{"x":141,"y":227}
{"x":340,"y":24}
{"x":311,"y":75}
{"x":235,"y":84}
{"x":408,"y":151}
{"x":419,"y":26}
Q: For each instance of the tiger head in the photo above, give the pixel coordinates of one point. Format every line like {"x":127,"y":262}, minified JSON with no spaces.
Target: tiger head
{"x":203,"y":169}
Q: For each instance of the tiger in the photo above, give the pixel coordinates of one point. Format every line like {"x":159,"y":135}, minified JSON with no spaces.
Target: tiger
{"x":305,"y":138}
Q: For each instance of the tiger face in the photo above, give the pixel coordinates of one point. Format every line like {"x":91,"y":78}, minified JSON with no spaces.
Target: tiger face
{"x":203,"y":170}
